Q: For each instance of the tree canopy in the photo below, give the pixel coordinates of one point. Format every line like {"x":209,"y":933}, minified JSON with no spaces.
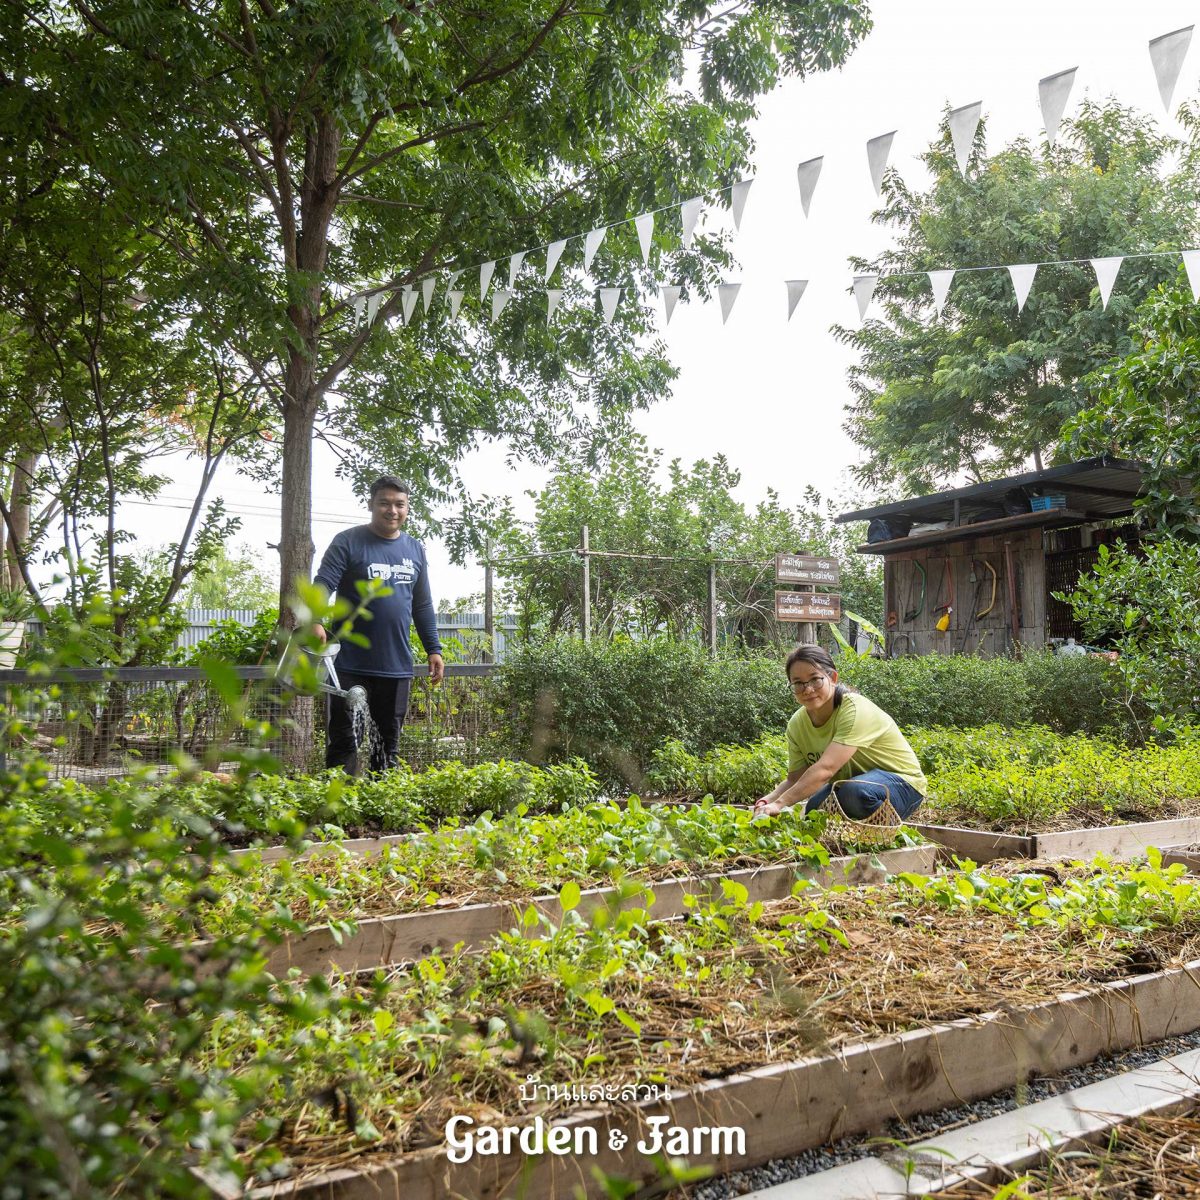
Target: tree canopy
{"x":653,"y":547}
{"x":1148,"y":408}
{"x":296,"y":160}
{"x":983,"y":389}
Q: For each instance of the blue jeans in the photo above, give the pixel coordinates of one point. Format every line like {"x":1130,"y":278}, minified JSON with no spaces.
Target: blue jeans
{"x":862,"y":795}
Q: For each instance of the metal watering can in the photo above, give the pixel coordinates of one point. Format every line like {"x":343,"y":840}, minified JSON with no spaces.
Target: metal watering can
{"x":355,"y":697}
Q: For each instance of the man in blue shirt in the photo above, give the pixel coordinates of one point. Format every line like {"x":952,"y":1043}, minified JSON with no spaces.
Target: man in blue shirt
{"x":379,"y":550}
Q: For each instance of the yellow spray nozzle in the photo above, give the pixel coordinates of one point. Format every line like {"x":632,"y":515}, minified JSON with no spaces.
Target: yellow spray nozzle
{"x":943,"y":622}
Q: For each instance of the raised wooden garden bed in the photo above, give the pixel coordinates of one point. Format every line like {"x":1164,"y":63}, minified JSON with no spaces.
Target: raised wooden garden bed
{"x":384,"y":941}
{"x":1189,"y":856}
{"x":1117,"y":841}
{"x":786,"y":1108}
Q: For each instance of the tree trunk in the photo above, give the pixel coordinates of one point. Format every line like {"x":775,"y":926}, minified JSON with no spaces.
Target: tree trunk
{"x":19,"y":513}
{"x":296,"y":549}
{"x":302,"y":398}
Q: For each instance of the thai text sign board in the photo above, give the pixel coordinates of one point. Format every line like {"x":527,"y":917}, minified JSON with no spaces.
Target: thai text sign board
{"x":804,"y":568}
{"x":807,"y":606}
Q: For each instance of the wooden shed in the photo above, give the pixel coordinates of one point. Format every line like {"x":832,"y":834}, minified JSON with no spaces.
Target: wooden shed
{"x":983,"y":561}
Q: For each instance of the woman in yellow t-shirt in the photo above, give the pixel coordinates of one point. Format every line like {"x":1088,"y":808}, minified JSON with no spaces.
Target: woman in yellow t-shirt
{"x":839,"y":735}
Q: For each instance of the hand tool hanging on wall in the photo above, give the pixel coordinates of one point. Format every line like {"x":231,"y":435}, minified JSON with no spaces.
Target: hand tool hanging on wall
{"x":920,"y":606}
{"x":992,"y":602}
{"x":943,"y":622}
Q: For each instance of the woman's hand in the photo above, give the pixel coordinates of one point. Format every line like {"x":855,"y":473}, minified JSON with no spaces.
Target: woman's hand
{"x":765,"y":807}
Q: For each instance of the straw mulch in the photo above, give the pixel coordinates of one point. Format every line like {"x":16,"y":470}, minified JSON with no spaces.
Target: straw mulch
{"x":905,"y":966}
{"x":1157,"y":1158}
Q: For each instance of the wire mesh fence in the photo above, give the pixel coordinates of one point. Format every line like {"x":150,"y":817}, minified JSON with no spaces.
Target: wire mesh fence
{"x":94,"y":725}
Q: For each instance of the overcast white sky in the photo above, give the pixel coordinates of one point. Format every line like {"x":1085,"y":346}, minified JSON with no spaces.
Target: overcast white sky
{"x":767,"y":393}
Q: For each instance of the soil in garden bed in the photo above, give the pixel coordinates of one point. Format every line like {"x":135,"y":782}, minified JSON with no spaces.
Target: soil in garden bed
{"x":680,"y":1004}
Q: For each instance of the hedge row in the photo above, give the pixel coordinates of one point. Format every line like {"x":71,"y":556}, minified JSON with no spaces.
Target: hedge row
{"x":615,"y":704}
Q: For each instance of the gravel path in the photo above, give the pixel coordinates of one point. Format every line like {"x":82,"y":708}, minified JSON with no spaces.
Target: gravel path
{"x":918,"y":1128}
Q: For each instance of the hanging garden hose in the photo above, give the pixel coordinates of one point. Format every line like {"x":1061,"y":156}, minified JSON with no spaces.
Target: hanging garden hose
{"x":920,"y":608}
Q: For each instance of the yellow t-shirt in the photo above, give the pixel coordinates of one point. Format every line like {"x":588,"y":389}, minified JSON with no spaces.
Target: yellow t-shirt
{"x":878,"y":742}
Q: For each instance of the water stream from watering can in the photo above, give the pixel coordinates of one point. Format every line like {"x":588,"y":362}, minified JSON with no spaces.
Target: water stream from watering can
{"x":366,"y":732}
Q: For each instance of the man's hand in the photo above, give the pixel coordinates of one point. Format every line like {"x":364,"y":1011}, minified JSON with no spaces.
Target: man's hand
{"x":320,"y":634}
{"x":437,"y":668}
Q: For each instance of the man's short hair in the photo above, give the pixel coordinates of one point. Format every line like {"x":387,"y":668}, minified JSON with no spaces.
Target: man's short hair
{"x":391,"y":483}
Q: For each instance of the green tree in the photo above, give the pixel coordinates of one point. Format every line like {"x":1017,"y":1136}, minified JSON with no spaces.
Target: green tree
{"x":302,"y":158}
{"x":653,"y":545}
{"x":1146,"y":605}
{"x":1148,"y":409}
{"x":233,"y":579}
{"x":983,"y":389}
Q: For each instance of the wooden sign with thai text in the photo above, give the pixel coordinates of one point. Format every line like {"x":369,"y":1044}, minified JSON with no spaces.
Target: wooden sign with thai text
{"x":806,"y":568}
{"x":807,"y":606}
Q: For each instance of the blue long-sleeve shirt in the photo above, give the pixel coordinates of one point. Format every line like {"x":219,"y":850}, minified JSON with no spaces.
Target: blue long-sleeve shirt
{"x":357,"y":554}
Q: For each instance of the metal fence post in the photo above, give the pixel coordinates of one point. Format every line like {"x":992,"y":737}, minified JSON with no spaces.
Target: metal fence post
{"x":489,"y":616}
{"x":712,"y":605}
{"x":586,"y":611}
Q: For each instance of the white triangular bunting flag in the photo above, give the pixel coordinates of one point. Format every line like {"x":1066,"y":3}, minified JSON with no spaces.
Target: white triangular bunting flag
{"x":372,"y":308}
{"x":1106,"y":275}
{"x":609,"y":298}
{"x":1052,"y":95}
{"x":427,"y":293}
{"x":500,"y":297}
{"x":864,"y":289}
{"x":689,"y":213}
{"x":728,"y":293}
{"x":1191,"y":262}
{"x":514,"y":266}
{"x":591,"y":244}
{"x":485,"y":278}
{"x":878,"y":149}
{"x":553,"y":299}
{"x":410,"y":304}
{"x":360,"y":309}
{"x":1167,"y":54}
{"x":1022,"y":280}
{"x":963,"y":124}
{"x":645,"y":232}
{"x":807,"y":174}
{"x":455,"y":296}
{"x":940,"y":282}
{"x":737,"y":200}
{"x":795,"y":289}
{"x":553,"y":254}
{"x":455,"y":276}
{"x":670,"y":297}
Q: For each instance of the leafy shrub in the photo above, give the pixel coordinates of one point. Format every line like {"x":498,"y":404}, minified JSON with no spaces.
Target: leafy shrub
{"x":615,"y":703}
{"x":103,"y":1093}
{"x":1147,"y":604}
{"x":1067,"y":694}
{"x":240,"y":645}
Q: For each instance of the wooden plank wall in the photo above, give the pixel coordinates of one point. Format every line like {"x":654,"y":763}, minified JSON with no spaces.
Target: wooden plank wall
{"x":987,"y":637}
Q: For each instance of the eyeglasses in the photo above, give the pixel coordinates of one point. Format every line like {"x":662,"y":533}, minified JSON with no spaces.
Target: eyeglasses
{"x":809,"y":685}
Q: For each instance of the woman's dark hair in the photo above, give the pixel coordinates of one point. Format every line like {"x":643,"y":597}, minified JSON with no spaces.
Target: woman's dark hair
{"x":817,"y":657}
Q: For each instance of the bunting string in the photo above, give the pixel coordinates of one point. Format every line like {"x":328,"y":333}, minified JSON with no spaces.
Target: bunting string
{"x":1167,"y":54}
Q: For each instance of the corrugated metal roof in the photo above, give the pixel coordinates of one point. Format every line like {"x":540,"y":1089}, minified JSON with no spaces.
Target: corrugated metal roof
{"x":1101,"y":488}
